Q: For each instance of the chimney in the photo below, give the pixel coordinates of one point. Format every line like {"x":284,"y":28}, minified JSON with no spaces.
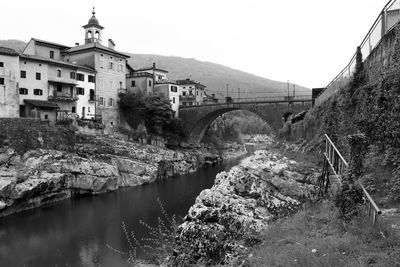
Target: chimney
{"x":76,"y":44}
{"x":111,"y":44}
{"x":154,"y":65}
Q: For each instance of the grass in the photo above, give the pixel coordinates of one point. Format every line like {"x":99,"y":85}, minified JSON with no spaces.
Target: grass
{"x":316,"y":237}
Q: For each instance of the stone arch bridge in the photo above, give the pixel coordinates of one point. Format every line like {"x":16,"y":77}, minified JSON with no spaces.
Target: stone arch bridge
{"x":196,"y":119}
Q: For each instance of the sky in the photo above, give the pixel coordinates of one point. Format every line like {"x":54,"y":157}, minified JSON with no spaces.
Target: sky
{"x":307,"y":42}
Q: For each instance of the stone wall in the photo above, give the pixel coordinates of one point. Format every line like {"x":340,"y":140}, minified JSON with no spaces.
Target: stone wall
{"x":23,"y":134}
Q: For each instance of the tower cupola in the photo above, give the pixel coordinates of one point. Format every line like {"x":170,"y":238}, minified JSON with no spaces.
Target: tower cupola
{"x":93,"y":30}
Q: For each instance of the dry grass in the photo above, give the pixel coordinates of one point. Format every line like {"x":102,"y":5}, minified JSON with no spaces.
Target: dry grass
{"x":316,"y":237}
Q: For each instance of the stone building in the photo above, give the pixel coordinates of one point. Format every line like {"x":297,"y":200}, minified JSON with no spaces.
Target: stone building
{"x":191,"y":93}
{"x":171,"y":91}
{"x":110,"y":67}
{"x":143,"y":80}
{"x":83,"y":80}
{"x":9,"y":66}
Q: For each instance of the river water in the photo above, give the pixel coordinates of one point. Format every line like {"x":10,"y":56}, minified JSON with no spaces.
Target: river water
{"x":76,"y":232}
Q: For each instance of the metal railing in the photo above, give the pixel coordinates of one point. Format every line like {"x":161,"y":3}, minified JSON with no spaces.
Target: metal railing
{"x":387,"y":19}
{"x":371,"y":205}
{"x":260,"y":100}
{"x":338,"y":164}
{"x":340,"y":167}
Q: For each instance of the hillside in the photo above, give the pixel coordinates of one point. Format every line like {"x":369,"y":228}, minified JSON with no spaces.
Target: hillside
{"x":214,"y":76}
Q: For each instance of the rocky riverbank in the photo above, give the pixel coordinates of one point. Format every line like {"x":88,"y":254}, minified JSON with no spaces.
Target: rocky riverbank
{"x":225,"y":219}
{"x":98,"y":165}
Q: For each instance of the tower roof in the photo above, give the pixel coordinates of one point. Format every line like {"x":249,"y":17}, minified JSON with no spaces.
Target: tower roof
{"x":93,"y":21}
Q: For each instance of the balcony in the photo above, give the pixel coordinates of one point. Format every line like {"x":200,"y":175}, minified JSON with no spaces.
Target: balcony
{"x":139,"y":74}
{"x":63,"y":98}
{"x":187,"y":97}
{"x":122,"y":91}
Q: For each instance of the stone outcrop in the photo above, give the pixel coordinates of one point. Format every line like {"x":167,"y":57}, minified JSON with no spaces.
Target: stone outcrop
{"x":242,"y":201}
{"x":99,"y":165}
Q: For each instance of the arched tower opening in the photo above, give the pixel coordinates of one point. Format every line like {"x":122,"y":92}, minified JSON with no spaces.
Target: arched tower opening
{"x":93,"y":30}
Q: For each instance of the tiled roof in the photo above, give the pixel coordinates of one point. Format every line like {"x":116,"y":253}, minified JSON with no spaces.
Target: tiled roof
{"x":41,"y":104}
{"x":150,"y":68}
{"x":50,"y":43}
{"x":8,"y":51}
{"x":94,"y":46}
{"x":56,"y":62}
{"x":188,"y":82}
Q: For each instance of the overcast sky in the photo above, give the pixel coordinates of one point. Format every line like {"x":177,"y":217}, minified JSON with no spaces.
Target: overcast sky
{"x":307,"y":42}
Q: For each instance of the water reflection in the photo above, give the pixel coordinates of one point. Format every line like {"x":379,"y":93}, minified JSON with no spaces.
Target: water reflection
{"x":75,"y":232}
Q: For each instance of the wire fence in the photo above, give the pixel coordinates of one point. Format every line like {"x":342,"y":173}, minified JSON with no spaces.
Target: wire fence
{"x":386,"y":20}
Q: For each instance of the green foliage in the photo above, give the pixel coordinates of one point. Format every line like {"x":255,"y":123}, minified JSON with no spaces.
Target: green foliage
{"x":231,"y":126}
{"x":159,"y":244}
{"x":368,"y":106}
{"x":153,"y":110}
{"x":317,"y":237}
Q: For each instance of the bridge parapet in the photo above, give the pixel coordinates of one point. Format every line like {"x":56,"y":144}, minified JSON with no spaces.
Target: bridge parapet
{"x":196,"y":119}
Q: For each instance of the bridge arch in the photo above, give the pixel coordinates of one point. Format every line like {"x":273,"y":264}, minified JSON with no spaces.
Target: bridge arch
{"x":196,"y":119}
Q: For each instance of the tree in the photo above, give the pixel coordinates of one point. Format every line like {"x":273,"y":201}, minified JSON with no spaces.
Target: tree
{"x":154,"y":110}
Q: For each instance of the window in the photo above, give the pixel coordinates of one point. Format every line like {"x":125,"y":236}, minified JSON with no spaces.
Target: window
{"x":1,"y":81}
{"x":38,"y":76}
{"x":101,"y":101}
{"x":72,"y":75}
{"x":80,"y":77}
{"x":23,"y":74}
{"x":59,"y":87}
{"x":23,"y":91}
{"x":1,"y":64}
{"x":46,"y":116}
{"x":110,"y":102}
{"x":110,"y":65}
{"x":174,"y":89}
{"x":197,"y":92}
{"x":51,"y":54}
{"x":38,"y":92}
{"x":184,"y":93}
{"x":149,"y":82}
{"x":173,"y":100}
{"x":58,"y":73}
{"x":73,"y":110}
{"x":133,"y":83}
{"x":91,"y":78}
{"x":80,"y":91}
{"x":88,"y":109}
{"x":91,"y":95}
{"x":120,"y":84}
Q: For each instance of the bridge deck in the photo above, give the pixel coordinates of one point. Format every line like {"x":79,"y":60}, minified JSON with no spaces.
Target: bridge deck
{"x":232,"y":104}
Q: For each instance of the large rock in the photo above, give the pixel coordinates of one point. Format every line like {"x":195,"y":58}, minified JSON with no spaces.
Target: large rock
{"x":262,"y":187}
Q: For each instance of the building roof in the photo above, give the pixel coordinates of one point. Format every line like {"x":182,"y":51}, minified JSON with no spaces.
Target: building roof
{"x":41,"y":104}
{"x":189,"y":82}
{"x":51,"y":44}
{"x":94,"y":46}
{"x":150,"y":68}
{"x":165,"y":82}
{"x":56,"y":62}
{"x":8,"y":51}
{"x":93,"y":21}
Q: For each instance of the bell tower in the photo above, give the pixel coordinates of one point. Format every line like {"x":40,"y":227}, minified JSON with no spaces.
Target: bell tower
{"x":93,"y":30}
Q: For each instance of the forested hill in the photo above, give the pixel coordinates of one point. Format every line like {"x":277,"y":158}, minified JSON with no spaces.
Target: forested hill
{"x":214,"y":76}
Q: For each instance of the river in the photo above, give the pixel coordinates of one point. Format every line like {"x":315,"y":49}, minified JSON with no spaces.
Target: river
{"x":76,"y":232}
